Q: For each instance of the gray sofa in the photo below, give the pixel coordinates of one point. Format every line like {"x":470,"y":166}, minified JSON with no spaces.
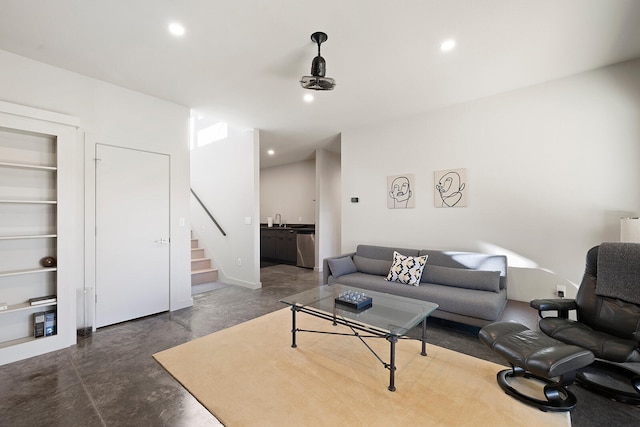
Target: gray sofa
{"x":469,"y":287}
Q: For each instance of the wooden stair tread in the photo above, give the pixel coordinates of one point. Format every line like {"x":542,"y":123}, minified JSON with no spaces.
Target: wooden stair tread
{"x":199,"y":277}
{"x":204,"y":270}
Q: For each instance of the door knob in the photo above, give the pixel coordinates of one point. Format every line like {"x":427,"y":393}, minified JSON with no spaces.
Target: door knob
{"x":162,"y":241}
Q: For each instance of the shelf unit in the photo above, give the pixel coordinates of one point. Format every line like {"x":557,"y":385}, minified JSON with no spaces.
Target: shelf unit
{"x":35,"y":201}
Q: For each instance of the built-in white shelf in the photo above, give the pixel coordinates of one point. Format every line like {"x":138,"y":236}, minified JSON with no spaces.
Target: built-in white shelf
{"x":29,"y":236}
{"x":24,"y":340}
{"x":30,"y":202}
{"x":27,"y":271}
{"x":24,"y":306}
{"x":28,"y":166}
{"x":36,"y":203}
{"x":10,"y":343}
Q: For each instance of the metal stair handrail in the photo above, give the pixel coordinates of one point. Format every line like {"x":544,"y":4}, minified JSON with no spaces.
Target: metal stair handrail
{"x":208,"y":213}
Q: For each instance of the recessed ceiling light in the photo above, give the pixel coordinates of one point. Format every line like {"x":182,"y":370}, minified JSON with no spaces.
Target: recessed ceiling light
{"x":271,"y":152}
{"x":447,"y":45}
{"x":176,"y":29}
{"x":308,"y":97}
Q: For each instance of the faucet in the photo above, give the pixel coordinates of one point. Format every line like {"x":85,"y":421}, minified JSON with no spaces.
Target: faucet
{"x":279,"y":220}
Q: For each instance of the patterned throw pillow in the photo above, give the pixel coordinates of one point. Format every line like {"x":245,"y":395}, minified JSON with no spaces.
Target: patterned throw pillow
{"x":406,"y":269}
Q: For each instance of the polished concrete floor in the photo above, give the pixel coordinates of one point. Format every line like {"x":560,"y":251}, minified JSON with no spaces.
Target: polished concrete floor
{"x":110,"y":378}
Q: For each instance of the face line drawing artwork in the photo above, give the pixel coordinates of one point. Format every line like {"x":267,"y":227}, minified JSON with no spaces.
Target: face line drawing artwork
{"x":450,"y":187}
{"x":400,"y":192}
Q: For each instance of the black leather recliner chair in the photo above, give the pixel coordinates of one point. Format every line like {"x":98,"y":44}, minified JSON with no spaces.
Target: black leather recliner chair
{"x":608,"y":320}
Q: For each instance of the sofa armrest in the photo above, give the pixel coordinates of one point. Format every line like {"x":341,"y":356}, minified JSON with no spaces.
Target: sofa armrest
{"x":326,"y":272}
{"x":561,"y":305}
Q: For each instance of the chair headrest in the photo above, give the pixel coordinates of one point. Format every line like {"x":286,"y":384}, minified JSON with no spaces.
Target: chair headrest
{"x":618,"y":271}
{"x":592,"y":261}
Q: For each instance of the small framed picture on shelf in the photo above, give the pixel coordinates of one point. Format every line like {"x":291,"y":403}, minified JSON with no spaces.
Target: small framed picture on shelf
{"x":38,"y":324}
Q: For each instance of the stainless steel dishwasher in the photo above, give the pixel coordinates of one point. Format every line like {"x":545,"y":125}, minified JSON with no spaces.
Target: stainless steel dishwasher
{"x":306,"y":248}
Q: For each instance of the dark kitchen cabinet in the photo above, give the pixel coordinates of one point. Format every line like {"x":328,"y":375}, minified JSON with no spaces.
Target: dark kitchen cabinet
{"x":268,"y":244}
{"x":278,"y":244}
{"x":286,"y":246}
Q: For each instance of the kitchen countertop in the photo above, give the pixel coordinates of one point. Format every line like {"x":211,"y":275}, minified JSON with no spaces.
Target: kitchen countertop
{"x":291,"y":227}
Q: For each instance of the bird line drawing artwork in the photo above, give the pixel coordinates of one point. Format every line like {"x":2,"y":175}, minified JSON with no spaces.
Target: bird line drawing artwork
{"x":450,"y":188}
{"x":400,"y":190}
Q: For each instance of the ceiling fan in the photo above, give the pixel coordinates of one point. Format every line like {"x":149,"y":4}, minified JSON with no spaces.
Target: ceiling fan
{"x":317,"y":79}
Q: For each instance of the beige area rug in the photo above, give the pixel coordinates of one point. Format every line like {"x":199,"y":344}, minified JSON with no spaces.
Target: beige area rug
{"x":249,"y":375}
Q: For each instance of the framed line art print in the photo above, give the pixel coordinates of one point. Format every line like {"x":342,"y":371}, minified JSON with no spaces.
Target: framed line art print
{"x":400,"y":191}
{"x":450,"y":188}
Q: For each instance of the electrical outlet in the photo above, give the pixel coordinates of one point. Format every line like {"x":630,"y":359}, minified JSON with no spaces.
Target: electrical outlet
{"x":239,"y":261}
{"x":561,"y":291}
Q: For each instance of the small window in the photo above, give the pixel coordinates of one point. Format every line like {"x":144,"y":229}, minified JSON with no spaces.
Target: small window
{"x":212,"y":133}
{"x":203,"y":132}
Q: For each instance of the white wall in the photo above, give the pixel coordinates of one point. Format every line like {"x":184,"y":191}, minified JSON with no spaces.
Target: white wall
{"x":328,"y":206}
{"x":551,"y":169}
{"x":290,"y":191}
{"x":225,"y":176}
{"x":126,"y":118}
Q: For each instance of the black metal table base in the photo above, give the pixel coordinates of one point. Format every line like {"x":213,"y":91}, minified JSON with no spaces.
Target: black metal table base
{"x":355,"y":327}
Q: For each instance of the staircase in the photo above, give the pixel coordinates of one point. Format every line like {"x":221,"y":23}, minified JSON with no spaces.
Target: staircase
{"x":201,"y":270}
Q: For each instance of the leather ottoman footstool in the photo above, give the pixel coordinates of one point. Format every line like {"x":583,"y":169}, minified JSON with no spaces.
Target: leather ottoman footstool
{"x":532,"y":354}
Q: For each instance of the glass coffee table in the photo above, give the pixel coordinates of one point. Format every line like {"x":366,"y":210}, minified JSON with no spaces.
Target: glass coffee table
{"x":389,"y":316}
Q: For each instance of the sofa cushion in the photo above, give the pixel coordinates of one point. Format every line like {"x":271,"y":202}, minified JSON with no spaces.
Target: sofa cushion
{"x":341,"y":266}
{"x":470,"y":261}
{"x":369,"y":281}
{"x":406,"y":269}
{"x":462,"y":278}
{"x":378,"y":267}
{"x":383,"y":252}
{"x":466,"y":302}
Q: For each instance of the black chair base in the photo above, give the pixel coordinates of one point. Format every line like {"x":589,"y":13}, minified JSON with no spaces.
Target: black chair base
{"x":612,"y":381}
{"x":559,"y":399}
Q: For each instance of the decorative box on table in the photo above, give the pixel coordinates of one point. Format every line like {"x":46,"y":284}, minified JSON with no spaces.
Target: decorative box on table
{"x":353,"y":300}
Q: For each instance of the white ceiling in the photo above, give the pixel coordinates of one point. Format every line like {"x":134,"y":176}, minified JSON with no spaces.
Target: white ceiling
{"x":241,"y":60}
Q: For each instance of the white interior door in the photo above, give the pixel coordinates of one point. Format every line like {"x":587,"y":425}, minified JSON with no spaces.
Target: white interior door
{"x":132,"y":234}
